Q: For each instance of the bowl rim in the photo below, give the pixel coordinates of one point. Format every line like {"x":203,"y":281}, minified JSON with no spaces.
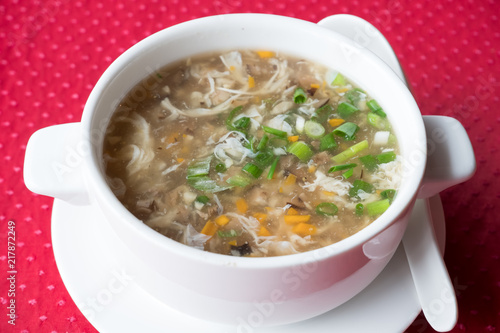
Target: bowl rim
{"x":98,"y":183}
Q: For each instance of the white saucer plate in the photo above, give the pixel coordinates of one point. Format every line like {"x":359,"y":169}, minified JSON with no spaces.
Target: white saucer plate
{"x":108,"y":294}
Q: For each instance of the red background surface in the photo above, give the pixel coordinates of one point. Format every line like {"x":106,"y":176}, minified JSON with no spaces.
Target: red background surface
{"x":53,"y":52}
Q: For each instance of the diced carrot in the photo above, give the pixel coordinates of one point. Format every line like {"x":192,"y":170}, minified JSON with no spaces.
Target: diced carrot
{"x":290,"y":180}
{"x":222,"y":220}
{"x":209,"y":229}
{"x":180,"y":159}
{"x":231,"y":68}
{"x":241,"y":205}
{"x":251,"y":82}
{"x":294,"y":219}
{"x":233,"y":242}
{"x":311,"y":169}
{"x":173,"y":138}
{"x":315,"y":85}
{"x":292,"y":211}
{"x":293,"y":138}
{"x":265,"y":54}
{"x":263,"y":232}
{"x":304,"y":229}
{"x":280,"y":190}
{"x":336,"y":122}
{"x":261,"y":217}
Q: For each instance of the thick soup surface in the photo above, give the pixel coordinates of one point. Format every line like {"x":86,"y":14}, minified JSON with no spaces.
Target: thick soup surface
{"x":252,"y":153}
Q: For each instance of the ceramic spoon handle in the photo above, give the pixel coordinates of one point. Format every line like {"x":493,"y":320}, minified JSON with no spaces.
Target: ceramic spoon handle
{"x":432,"y":282}
{"x":450,"y":160}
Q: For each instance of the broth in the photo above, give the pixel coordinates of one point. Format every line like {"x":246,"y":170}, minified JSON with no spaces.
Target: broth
{"x":252,"y":153}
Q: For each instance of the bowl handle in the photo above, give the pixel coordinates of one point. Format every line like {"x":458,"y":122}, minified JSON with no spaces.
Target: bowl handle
{"x":54,"y":162}
{"x":450,"y":157}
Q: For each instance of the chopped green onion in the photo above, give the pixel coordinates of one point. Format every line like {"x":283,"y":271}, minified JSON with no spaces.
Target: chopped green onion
{"x":314,"y":130}
{"x":229,"y":121}
{"x":392,"y":139}
{"x":199,"y":168}
{"x":339,"y":80}
{"x":264,"y":158}
{"x":350,"y":152}
{"x":273,"y":168}
{"x":388,"y":194}
{"x":359,"y":209}
{"x":373,"y":105}
{"x":346,"y":130}
{"x":321,"y":114}
{"x":346,"y":109}
{"x":274,"y":131}
{"x":369,"y":162}
{"x":278,"y":142}
{"x":239,"y":180}
{"x":386,"y":157}
{"x":289,"y":118}
{"x":327,"y":142}
{"x":263,"y":143}
{"x":377,"y":121}
{"x":301,"y":150}
{"x":377,"y":207}
{"x":205,"y":184}
{"x":242,"y":124}
{"x":299,"y":96}
{"x":360,"y":185}
{"x":253,"y":170}
{"x":253,"y":141}
{"x":227,"y":234}
{"x":326,"y":209}
{"x":348,"y":173}
{"x":355,"y":95}
{"x":221,"y":167}
{"x":203,"y":199}
{"x":342,"y":167}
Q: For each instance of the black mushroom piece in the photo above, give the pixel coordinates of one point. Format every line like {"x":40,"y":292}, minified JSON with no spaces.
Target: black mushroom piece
{"x":299,"y":201}
{"x":321,"y":103}
{"x":212,"y":210}
{"x":311,"y":91}
{"x":241,"y":250}
{"x":288,"y":164}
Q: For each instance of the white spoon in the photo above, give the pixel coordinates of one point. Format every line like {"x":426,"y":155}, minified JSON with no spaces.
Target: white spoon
{"x":432,"y":282}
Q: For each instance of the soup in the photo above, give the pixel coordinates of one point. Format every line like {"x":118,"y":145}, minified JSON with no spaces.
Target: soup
{"x":252,"y":153}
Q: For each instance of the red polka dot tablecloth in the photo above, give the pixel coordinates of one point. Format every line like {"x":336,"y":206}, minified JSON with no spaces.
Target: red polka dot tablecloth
{"x":53,"y":52}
